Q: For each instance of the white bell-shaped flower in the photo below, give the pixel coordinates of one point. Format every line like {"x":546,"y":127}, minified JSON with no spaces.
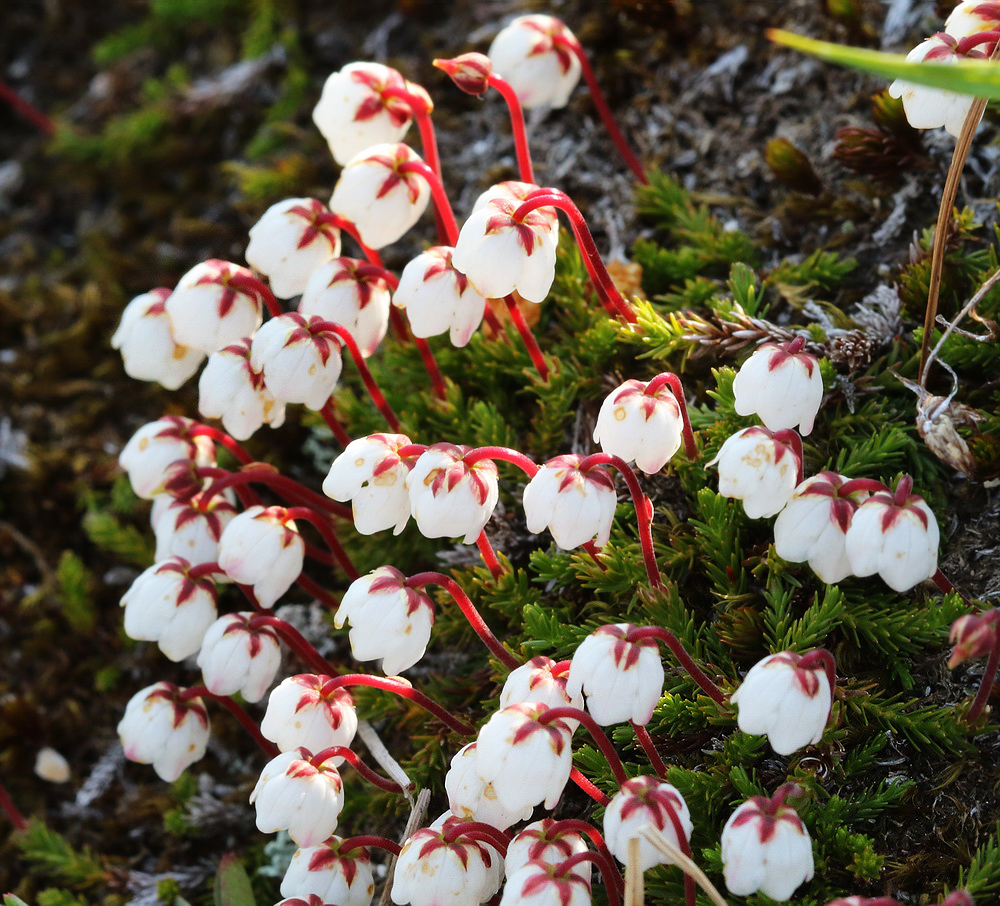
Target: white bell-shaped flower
{"x":238,"y":656}
{"x":781,"y":385}
{"x":972,"y":17}
{"x":191,"y":528}
{"x":146,"y":342}
{"x":540,"y":680}
{"x":788,"y":697}
{"x":231,"y":389}
{"x":291,"y":239}
{"x":894,"y":535}
{"x":448,"y":497}
{"x":360,"y":106}
{"x":621,"y":680}
{"x":389,"y":620}
{"x":438,"y":298}
{"x":533,"y":54}
{"x":500,"y":254}
{"x":262,"y":547}
{"x":527,"y":761}
{"x":642,"y":801}
{"x":354,"y":294}
{"x":214,"y":304}
{"x":297,"y":794}
{"x":157,"y":445}
{"x":576,"y":505}
{"x":163,"y":728}
{"x":539,"y":884}
{"x":760,"y":468}
{"x":538,"y":843}
{"x":380,"y":194}
{"x":324,"y":871}
{"x":300,"y":362}
{"x":766,"y":848}
{"x":636,"y":423}
{"x":169,"y":606}
{"x":473,"y":799}
{"x":307,"y":711}
{"x":371,"y":474}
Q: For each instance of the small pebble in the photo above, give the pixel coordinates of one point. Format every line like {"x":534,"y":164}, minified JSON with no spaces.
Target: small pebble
{"x":51,"y":766}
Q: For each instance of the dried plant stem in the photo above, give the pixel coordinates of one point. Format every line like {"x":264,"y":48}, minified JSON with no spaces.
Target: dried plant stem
{"x":968,"y":308}
{"x":417,"y":814}
{"x":684,"y":862}
{"x":635,"y":893}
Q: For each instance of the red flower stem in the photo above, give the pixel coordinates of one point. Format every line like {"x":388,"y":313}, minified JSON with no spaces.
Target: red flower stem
{"x":317,"y":591}
{"x":686,"y":661}
{"x":251,"y":597}
{"x":517,"y":126}
{"x":399,"y":327}
{"x":333,"y":423}
{"x":428,"y":138}
{"x":610,"y":874}
{"x":366,"y":375}
{"x":599,"y":736}
{"x":296,"y":641}
{"x":351,"y":757}
{"x":903,"y":488}
{"x":411,"y":451}
{"x":29,"y":111}
{"x":257,"y":288}
{"x":611,"y":298}
{"x":505,"y":454}
{"x":430,"y":364}
{"x":481,"y":832}
{"x":986,"y":684}
{"x":449,"y":232}
{"x":404,"y":690}
{"x":247,"y":722}
{"x":677,"y":388}
{"x":945,"y":586}
{"x":489,"y":556}
{"x":527,"y":337}
{"x":861,"y":484}
{"x":568,"y":825}
{"x":323,"y":526}
{"x":646,"y":741}
{"x":603,"y":110}
{"x":685,"y":847}
{"x":268,"y":475}
{"x":348,"y":227}
{"x":643,"y":509}
{"x":493,"y":322}
{"x":205,"y":569}
{"x":476,"y":621}
{"x":587,"y":787}
{"x":820,"y":657}
{"x":6,"y":803}
{"x":367,"y":840}
{"x":594,"y":550}
{"x":230,"y":443}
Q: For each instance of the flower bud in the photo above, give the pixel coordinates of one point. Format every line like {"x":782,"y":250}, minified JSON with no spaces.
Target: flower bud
{"x":388,"y":620}
{"x":473,"y":799}
{"x":766,"y":847}
{"x":165,"y":730}
{"x":782,"y":385}
{"x":298,"y":795}
{"x":149,"y":350}
{"x":787,"y":696}
{"x":380,"y":195}
{"x":973,"y":635}
{"x":621,"y":680}
{"x":237,"y":656}
{"x":166,"y":605}
{"x":155,"y":446}
{"x":307,"y":711}
{"x":323,"y":871}
{"x":642,"y":425}
{"x":469,"y":71}
{"x":575,"y":505}
{"x":300,"y":362}
{"x":760,"y":468}
{"x":642,"y":801}
{"x":291,"y":239}
{"x":534,"y":55}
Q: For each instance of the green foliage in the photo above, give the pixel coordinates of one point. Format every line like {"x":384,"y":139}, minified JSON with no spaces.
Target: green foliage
{"x":125,"y":542}
{"x":982,"y":878}
{"x":232,"y":884}
{"x":53,"y":896}
{"x":76,"y":592}
{"x":50,"y":856}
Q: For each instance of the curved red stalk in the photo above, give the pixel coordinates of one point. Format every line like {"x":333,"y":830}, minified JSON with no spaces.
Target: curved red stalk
{"x":685,"y":847}
{"x":489,"y":555}
{"x":612,"y":877}
{"x":30,"y":112}
{"x":480,"y":831}
{"x":587,"y":787}
{"x":505,"y":454}
{"x":375,"y":779}
{"x":367,"y":840}
{"x":686,"y":661}
{"x":677,"y":388}
{"x":986,"y":684}
{"x":599,"y":736}
{"x":246,"y":721}
{"x":521,"y":150}
{"x":296,"y":641}
{"x":333,"y":423}
{"x":317,"y":591}
{"x":449,"y":232}
{"x":7,"y":804}
{"x":527,"y":337}
{"x":595,"y":837}
{"x":230,"y":443}
{"x":268,"y":475}
{"x":329,"y":536}
{"x":646,"y":741}
{"x":253,"y":285}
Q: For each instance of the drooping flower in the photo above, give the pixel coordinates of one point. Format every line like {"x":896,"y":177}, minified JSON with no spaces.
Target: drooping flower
{"x":333,"y":874}
{"x":541,"y":884}
{"x":642,"y":425}
{"x":380,"y":194}
{"x":787,"y":696}
{"x":292,"y":238}
{"x":526,"y":760}
{"x":895,"y":535}
{"x":473,"y":799}
{"x":299,"y":361}
{"x":354,"y":294}
{"x":449,"y":497}
{"x":574,"y":504}
{"x":214,"y":304}
{"x":438,"y":298}
{"x":372,"y":475}
{"x":782,"y":385}
{"x":540,"y":680}
{"x":537,"y":843}
{"x":146,"y":342}
{"x":297,"y":794}
{"x":262,"y":547}
{"x":238,"y":656}
{"x":231,"y":389}
{"x":620,"y":679}
{"x":191,"y":528}
{"x":155,"y":446}
{"x":642,"y":801}
{"x":760,"y":468}
{"x":307,"y":711}
{"x":169,"y":606}
{"x":162,"y":728}
{"x":972,"y":17}
{"x":389,"y":620}
{"x":766,"y":847}
{"x":532,"y":55}
{"x":360,"y":107}
{"x":813,"y":525}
